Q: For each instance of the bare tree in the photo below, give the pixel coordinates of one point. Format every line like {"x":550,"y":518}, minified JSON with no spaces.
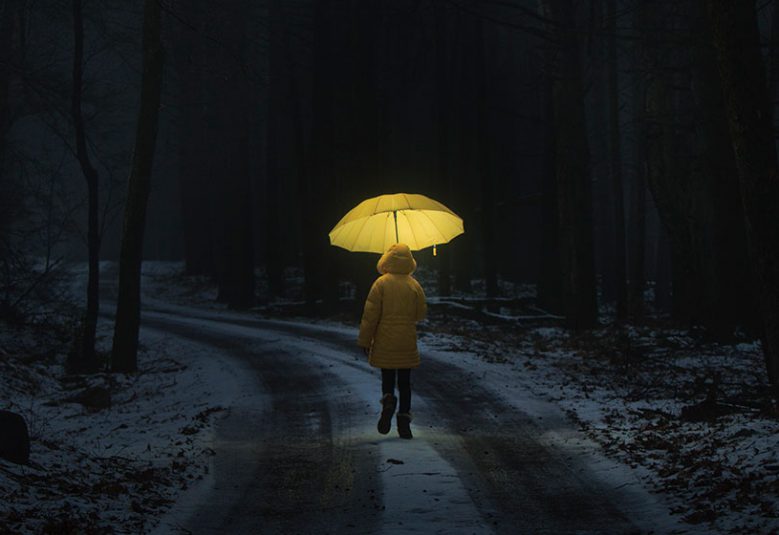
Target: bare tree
{"x":638,"y":206}
{"x":615,"y":162}
{"x":572,"y":171}
{"x":193,"y":150}
{"x":318,"y":259}
{"x":124,"y":355}
{"x":731,"y":298}
{"x":278,"y":89}
{"x":82,"y":357}
{"x":489,"y":253}
{"x":443,"y":110}
{"x":358,"y":165}
{"x":10,"y":51}
{"x":233,"y":103}
{"x":744,"y":85}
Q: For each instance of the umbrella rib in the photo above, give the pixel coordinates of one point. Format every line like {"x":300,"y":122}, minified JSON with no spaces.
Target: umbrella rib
{"x":359,"y":226}
{"x":414,"y":234}
{"x":363,"y":230}
{"x":424,"y":213}
{"x":435,"y":226}
{"x":381,"y":231}
{"x":408,"y":201}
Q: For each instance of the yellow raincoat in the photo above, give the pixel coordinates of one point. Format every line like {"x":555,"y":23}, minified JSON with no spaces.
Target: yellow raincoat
{"x":395,"y":304}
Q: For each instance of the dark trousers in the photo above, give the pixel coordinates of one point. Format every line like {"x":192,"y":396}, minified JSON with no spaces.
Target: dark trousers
{"x":404,"y":386}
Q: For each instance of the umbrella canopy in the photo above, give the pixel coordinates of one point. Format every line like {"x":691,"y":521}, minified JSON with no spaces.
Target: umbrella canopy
{"x":376,"y":223}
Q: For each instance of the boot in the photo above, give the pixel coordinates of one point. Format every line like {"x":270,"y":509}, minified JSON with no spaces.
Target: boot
{"x":404,"y":425}
{"x":388,"y":402}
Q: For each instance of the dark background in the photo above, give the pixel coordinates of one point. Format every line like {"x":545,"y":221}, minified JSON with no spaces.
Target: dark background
{"x":589,"y":147}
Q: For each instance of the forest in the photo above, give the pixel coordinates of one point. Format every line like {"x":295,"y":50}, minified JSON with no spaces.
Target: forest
{"x":614,"y":163}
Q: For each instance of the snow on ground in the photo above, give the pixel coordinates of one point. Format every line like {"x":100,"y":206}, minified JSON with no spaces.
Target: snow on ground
{"x":114,"y":469}
{"x":693,"y":420}
{"x":640,"y":394}
{"x":690,"y":419}
{"x":627,"y":389}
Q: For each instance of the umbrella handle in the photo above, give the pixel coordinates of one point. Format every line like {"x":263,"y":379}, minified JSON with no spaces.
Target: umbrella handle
{"x":435,"y":253}
{"x":395,"y":213}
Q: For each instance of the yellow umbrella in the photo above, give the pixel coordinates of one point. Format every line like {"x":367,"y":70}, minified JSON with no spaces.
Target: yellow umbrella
{"x":376,"y":223}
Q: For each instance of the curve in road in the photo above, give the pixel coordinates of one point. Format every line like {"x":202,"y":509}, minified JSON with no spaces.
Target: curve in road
{"x":311,"y":462}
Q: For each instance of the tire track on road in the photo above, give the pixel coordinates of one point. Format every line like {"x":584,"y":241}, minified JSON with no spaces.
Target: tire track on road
{"x":520,"y":483}
{"x":291,"y":467}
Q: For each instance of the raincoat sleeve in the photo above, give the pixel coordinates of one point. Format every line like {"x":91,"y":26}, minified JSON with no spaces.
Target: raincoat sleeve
{"x":370,"y":315}
{"x":421,"y":303}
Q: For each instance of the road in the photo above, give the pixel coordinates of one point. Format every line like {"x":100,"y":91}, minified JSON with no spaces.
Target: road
{"x":310,"y":460}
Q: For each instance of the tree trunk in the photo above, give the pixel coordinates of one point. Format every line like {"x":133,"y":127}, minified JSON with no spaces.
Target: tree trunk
{"x":550,"y":278}
{"x":572,"y":172}
{"x":678,"y":187}
{"x":773,"y":61}
{"x":596,"y":69}
{"x":82,"y":357}
{"x":11,"y":54}
{"x":663,"y":270}
{"x":319,"y":266}
{"x":443,"y":110}
{"x":743,"y":79}
{"x":10,"y":19}
{"x":359,"y":116}
{"x":462,"y":150}
{"x":124,"y":355}
{"x":193,"y":149}
{"x":637,"y":253}
{"x":488,"y":229}
{"x":615,"y":150}
{"x":301,"y":158}
{"x":278,"y":57}
{"x":732,"y":298}
{"x":638,"y":242}
{"x":234,"y":103}
{"x":235,"y":253}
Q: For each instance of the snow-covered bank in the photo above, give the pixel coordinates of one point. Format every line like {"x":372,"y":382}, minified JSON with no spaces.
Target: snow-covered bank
{"x":692,"y":420}
{"x":113,"y":469}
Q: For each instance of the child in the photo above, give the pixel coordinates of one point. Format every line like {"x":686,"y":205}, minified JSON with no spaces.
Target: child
{"x":388,"y":332}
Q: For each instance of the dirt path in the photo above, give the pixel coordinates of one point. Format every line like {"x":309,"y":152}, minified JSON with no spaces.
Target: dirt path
{"x":311,"y":462}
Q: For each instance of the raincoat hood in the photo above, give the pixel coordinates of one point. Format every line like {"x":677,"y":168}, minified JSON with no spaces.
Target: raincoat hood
{"x":398,"y":260}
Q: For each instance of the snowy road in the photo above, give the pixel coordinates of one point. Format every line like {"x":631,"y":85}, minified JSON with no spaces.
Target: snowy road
{"x":309,"y":459}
